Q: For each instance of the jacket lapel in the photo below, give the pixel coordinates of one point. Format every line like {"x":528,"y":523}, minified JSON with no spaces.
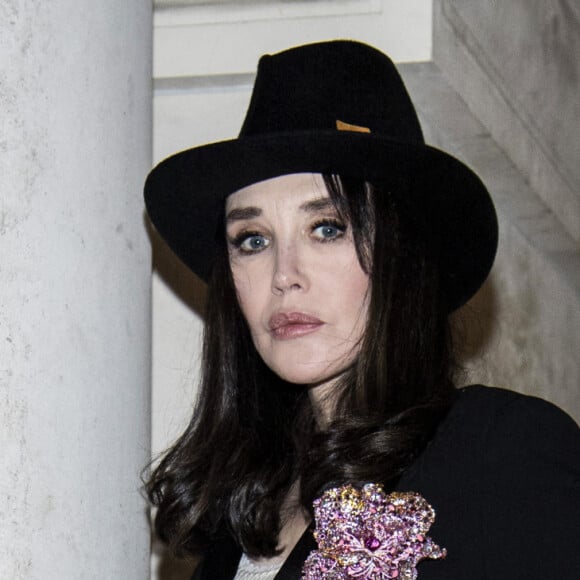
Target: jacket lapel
{"x":292,"y":567}
{"x":222,"y":559}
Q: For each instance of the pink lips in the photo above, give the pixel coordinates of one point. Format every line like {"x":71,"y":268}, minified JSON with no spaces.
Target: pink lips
{"x":286,"y":325}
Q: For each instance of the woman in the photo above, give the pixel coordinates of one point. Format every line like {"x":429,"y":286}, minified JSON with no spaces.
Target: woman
{"x":328,"y":440}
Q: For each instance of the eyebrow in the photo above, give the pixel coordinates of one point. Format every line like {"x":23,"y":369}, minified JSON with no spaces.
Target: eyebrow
{"x":246,"y":213}
{"x":319,"y":204}
{"x":243,"y":213}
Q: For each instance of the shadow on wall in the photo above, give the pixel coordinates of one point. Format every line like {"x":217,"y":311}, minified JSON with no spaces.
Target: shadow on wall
{"x":184,"y":284}
{"x":170,"y":568}
{"x":190,"y":290}
{"x":474,"y":326}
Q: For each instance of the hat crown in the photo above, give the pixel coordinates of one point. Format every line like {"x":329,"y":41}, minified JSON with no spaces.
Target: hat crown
{"x":326,"y":85}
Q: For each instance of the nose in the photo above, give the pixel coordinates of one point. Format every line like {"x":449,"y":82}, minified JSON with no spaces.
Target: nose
{"x":289,"y":271}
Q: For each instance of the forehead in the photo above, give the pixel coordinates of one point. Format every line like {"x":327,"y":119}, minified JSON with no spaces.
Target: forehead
{"x":288,"y":190}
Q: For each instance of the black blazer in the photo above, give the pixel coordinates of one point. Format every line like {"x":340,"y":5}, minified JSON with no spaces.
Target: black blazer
{"x":503,"y":475}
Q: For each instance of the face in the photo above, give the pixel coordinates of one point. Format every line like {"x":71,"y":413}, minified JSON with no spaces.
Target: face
{"x":299,"y":283}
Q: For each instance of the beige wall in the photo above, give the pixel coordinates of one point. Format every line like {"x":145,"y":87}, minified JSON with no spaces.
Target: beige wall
{"x":515,"y":65}
{"x":525,"y":54}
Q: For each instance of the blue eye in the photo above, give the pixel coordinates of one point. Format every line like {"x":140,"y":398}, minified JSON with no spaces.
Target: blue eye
{"x":250,"y":243}
{"x":328,"y":230}
{"x":253,"y":243}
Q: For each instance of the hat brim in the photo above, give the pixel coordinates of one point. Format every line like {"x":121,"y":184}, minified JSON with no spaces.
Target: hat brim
{"x":184,"y":194}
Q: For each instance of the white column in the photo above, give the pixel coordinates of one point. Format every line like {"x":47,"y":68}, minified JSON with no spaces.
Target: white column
{"x":74,"y":288}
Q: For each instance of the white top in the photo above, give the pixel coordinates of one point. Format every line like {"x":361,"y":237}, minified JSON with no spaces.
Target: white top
{"x":249,"y":570}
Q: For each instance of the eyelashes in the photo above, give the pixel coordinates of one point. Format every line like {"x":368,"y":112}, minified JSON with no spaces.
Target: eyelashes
{"x":328,"y":230}
{"x":253,"y":241}
{"x":249,"y":242}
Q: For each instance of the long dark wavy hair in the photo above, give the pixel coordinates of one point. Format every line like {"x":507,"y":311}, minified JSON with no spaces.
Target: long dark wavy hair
{"x":252,"y":435}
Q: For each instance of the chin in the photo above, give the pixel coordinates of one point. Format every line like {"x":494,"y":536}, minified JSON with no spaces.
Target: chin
{"x":308,"y":364}
{"x":312,"y":377}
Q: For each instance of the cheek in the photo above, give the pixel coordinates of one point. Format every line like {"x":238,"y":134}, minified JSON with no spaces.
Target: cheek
{"x":348,"y":285}
{"x":249,"y":291}
{"x":359,"y":292}
{"x":358,"y":311}
{"x":353,"y":299}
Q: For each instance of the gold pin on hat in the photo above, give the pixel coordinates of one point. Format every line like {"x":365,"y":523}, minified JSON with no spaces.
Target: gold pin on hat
{"x":342,"y":126}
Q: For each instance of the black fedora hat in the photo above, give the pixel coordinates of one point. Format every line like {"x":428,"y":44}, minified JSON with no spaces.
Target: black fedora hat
{"x":336,"y":107}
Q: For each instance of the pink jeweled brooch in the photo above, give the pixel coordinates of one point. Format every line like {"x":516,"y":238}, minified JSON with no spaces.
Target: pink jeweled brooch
{"x":365,"y":533}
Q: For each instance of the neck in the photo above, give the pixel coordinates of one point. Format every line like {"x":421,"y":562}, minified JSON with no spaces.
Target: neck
{"x":323,"y":399}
